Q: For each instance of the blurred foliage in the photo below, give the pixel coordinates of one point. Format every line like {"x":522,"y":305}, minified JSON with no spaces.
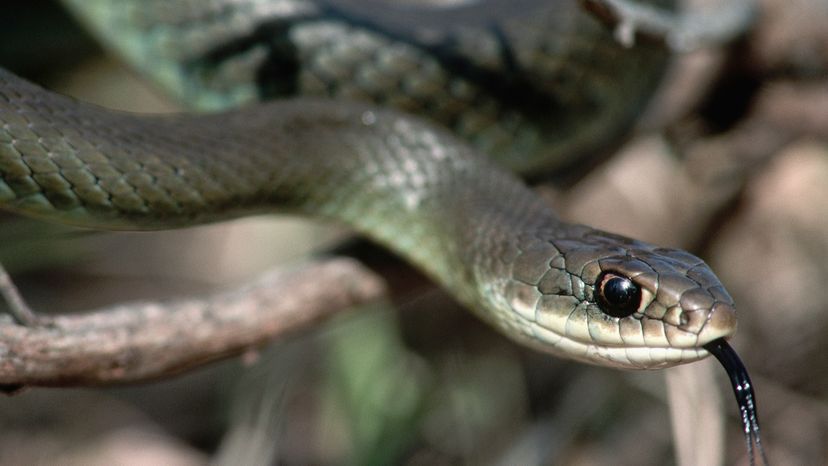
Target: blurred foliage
{"x":53,"y":40}
{"x":379,"y":385}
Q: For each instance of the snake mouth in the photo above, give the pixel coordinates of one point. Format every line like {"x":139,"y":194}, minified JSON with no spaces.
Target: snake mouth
{"x":643,"y":357}
{"x":622,"y":356}
{"x":676,"y":347}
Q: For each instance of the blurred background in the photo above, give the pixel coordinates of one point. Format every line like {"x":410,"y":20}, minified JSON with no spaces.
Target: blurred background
{"x":736,"y":148}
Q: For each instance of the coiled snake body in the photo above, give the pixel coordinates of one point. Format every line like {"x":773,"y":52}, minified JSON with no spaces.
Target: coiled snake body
{"x":533,"y":83}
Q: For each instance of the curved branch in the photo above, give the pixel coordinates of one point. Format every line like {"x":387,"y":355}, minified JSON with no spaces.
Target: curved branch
{"x":149,"y":340}
{"x":682,"y":31}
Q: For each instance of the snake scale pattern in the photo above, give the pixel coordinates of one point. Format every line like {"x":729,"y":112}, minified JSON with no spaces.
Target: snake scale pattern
{"x":539,"y":86}
{"x":404,"y":182}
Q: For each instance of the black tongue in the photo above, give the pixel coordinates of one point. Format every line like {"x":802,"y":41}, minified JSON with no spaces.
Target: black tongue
{"x":743,"y":389}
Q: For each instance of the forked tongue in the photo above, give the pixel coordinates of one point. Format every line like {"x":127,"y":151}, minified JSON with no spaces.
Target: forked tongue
{"x":743,"y":389}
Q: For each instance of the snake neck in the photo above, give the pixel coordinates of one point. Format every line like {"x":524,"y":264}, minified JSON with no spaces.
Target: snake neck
{"x":399,"y":180}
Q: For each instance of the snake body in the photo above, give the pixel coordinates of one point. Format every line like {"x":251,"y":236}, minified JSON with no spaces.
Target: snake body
{"x":406,"y":183}
{"x":538,"y":85}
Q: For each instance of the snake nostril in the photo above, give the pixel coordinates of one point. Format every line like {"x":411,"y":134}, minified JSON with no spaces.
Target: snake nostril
{"x":684,"y":319}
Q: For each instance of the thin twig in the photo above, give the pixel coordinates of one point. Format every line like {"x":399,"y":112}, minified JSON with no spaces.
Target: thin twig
{"x":681,"y":31}
{"x":19,"y":310}
{"x":150,"y":340}
{"x":694,"y":403}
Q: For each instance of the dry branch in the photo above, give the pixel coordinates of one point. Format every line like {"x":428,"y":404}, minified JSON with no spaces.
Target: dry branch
{"x":149,"y":340}
{"x":699,"y":27}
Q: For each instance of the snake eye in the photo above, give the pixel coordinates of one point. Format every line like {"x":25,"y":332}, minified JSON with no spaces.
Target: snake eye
{"x":617,"y":295}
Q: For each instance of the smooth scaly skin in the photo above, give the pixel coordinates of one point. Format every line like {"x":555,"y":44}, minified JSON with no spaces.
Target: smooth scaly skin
{"x":475,"y":229}
{"x":547,"y":77}
{"x":539,"y":85}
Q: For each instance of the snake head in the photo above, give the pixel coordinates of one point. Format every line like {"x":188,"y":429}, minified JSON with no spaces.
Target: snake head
{"x":620,"y":302}
{"x":661,"y":298}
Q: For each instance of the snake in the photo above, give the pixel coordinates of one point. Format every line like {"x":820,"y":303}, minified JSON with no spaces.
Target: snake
{"x":518,"y":81}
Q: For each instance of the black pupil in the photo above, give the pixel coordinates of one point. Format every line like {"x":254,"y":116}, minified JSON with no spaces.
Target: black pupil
{"x":619,"y":291}
{"x":618,"y":296}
